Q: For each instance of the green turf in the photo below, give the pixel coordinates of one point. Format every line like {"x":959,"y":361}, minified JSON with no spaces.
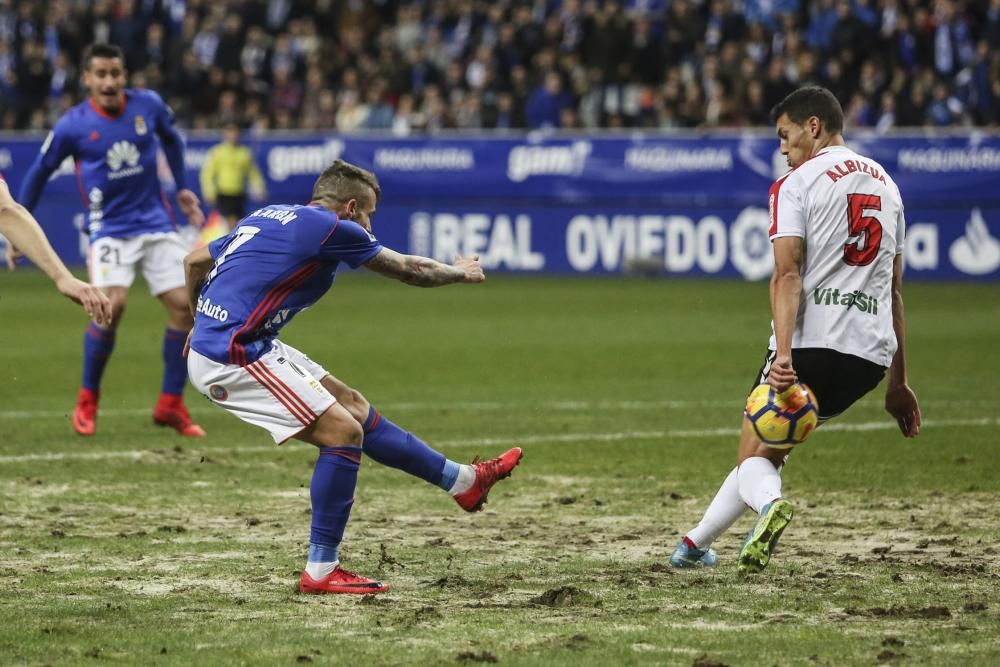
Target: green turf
{"x":139,"y":547}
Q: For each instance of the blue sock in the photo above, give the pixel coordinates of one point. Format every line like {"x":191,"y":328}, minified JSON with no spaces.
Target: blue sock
{"x":322,"y":553}
{"x":175,"y":370}
{"x":449,"y":474}
{"x":392,"y":446}
{"x":97,"y":346}
{"x":332,"y":494}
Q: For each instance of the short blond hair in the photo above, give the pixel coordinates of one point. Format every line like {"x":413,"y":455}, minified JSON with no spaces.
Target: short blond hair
{"x":343,"y":181}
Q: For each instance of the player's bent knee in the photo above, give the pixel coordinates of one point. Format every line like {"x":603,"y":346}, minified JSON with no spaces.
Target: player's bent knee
{"x":353,"y":434}
{"x":752,"y":446}
{"x":334,"y":428}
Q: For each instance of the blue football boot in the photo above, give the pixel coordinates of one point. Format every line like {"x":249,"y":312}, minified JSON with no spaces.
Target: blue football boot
{"x":685,"y":556}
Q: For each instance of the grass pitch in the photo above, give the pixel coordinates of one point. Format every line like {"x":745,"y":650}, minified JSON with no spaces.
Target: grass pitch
{"x":140,"y":547}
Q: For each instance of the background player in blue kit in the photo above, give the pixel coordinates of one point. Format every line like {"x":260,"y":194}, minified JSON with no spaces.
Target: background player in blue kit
{"x":114,"y":136}
{"x":246,"y":286}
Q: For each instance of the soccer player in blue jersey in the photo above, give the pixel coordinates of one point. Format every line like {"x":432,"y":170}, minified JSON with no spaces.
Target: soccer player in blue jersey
{"x":246,"y":286}
{"x":113,"y":136}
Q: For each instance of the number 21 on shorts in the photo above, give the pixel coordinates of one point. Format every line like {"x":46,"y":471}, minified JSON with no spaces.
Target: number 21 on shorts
{"x":109,"y":255}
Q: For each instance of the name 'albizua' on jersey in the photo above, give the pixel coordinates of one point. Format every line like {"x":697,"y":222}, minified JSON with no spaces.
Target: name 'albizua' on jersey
{"x":277,"y":261}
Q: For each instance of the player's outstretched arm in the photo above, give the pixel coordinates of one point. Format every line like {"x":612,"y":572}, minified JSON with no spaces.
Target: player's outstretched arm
{"x":900,"y":400}
{"x":23,"y":231}
{"x":424,"y":271}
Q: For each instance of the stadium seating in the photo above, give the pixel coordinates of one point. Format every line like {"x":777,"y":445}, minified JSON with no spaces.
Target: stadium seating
{"x":423,"y":66}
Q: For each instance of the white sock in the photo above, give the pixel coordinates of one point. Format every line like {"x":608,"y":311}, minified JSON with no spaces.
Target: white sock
{"x":759,"y":482}
{"x":722,"y":512}
{"x":320,"y":570}
{"x":466,"y":478}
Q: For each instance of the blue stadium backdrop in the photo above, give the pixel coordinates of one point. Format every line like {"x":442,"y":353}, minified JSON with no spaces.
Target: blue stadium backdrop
{"x":691,"y":205}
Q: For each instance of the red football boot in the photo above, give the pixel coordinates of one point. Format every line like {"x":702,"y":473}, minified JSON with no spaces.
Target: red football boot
{"x":488,"y":473}
{"x":170,"y":411}
{"x":341,"y":581}
{"x":85,"y":412}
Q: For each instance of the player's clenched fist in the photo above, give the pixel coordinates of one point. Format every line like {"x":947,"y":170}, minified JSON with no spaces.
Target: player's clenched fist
{"x":782,"y":375}
{"x":473,"y":270}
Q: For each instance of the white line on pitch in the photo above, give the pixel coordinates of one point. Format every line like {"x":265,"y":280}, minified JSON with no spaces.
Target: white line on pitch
{"x":415,"y":406}
{"x":135,"y":454}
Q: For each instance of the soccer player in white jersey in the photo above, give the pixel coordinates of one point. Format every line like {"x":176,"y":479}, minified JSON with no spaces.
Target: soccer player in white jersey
{"x":837,"y":233}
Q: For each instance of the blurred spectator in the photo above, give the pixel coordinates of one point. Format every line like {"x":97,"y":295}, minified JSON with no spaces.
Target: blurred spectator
{"x":206,"y":42}
{"x":992,"y":30}
{"x":286,"y":93}
{"x":405,"y":67}
{"x":405,"y":119}
{"x":34,"y":74}
{"x":228,"y":51}
{"x":546,"y":104}
{"x":887,"y":114}
{"x":978,"y":79}
{"x":953,"y":43}
{"x":380,"y":113}
{"x":858,"y":112}
{"x":352,"y":113}
{"x":945,"y":109}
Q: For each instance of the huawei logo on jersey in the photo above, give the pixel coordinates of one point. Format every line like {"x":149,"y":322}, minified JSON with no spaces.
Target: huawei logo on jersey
{"x":120,"y":154}
{"x":123,"y":152}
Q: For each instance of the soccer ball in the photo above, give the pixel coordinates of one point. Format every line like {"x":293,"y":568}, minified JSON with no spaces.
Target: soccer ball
{"x":782,"y":420}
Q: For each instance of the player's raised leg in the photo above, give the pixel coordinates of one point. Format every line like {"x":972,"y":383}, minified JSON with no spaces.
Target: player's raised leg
{"x":390,"y":445}
{"x":98,"y":344}
{"x":170,"y":409}
{"x":338,"y":436}
{"x":760,"y":488}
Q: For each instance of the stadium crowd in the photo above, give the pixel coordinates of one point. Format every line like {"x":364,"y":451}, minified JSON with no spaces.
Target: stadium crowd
{"x":412,"y":67}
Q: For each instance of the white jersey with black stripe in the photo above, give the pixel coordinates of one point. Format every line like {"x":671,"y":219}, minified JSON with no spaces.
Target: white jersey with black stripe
{"x":849,"y":213}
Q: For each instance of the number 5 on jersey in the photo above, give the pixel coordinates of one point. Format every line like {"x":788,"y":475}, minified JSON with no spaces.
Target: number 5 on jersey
{"x":861,"y":251}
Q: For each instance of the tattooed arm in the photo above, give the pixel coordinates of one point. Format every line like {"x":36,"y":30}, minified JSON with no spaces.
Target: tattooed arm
{"x":424,"y":271}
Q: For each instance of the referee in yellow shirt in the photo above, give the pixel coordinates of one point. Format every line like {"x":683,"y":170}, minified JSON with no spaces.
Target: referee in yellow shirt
{"x":228,"y":169}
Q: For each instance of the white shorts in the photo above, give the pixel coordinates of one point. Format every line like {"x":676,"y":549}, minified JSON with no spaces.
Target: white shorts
{"x":280,"y":392}
{"x":112,"y":262}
